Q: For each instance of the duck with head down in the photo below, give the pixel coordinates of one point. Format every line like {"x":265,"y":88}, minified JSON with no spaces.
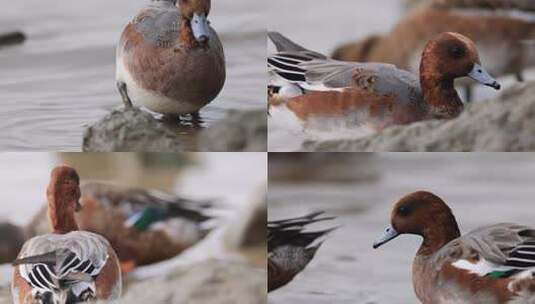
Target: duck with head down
{"x":493,"y":264}
{"x":68,"y":265}
{"x":375,"y":95}
{"x":169,"y":59}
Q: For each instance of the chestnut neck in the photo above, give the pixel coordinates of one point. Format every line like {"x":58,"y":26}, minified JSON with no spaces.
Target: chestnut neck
{"x":441,"y":230}
{"x":438,"y":90}
{"x":61,"y":211}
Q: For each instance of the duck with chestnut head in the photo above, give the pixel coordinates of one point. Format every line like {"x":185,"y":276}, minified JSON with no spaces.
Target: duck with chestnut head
{"x":491,"y":264}
{"x":170,"y":59}
{"x":67,"y":265}
{"x":374,"y":95}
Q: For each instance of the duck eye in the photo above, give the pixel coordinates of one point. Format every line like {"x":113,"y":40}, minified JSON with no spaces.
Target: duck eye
{"x":457,"y":51}
{"x":404,"y":210}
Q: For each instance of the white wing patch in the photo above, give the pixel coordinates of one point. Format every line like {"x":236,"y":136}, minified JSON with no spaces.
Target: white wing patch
{"x":481,"y":268}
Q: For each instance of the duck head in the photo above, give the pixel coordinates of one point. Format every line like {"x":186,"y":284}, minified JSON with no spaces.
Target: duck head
{"x":63,"y":195}
{"x":196,"y":11}
{"x":445,"y":58}
{"x":452,"y":55}
{"x":425,"y":214}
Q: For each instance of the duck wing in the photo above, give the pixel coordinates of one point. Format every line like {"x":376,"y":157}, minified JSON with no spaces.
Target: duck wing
{"x":55,"y":263}
{"x":159,"y":23}
{"x":503,"y":250}
{"x":313,"y":73}
{"x":290,"y":232}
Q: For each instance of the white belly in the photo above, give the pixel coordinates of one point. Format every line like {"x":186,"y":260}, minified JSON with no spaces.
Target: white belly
{"x":150,"y":99}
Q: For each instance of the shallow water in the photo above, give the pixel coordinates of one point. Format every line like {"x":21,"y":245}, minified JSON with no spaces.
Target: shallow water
{"x":481,"y":189}
{"x":322,"y":26}
{"x":63,"y":77}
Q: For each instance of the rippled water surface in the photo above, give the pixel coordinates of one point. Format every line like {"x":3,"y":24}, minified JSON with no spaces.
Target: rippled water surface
{"x":481,"y":189}
{"x":63,"y":77}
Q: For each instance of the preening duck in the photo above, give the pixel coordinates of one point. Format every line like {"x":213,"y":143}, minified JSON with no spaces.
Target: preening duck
{"x":68,"y":265}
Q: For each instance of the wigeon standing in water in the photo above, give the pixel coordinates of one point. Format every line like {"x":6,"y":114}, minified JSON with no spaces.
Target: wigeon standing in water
{"x":491,"y":265}
{"x":376,"y":95}
{"x":169,"y":59}
{"x":68,"y":265}
{"x":291,"y":248}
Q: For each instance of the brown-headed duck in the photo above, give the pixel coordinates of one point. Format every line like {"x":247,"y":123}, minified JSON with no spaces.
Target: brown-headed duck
{"x":169,"y":59}
{"x":499,"y":29}
{"x":290,"y":248}
{"x":375,"y":95}
{"x":493,"y":264}
{"x":69,"y":265}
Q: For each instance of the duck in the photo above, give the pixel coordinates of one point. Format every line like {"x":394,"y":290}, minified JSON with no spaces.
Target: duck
{"x":68,"y":265}
{"x":143,"y":226}
{"x":169,"y":58}
{"x":374,"y":95}
{"x":499,"y":29}
{"x":491,"y":264}
{"x":290,"y":248}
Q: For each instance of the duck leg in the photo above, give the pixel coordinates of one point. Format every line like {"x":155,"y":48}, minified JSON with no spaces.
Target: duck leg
{"x":121,"y":86}
{"x":468,"y":93}
{"x":519,"y":76}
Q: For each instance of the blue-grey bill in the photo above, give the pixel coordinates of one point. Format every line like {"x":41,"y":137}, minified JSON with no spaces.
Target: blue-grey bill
{"x":389,"y":234}
{"x":200,"y":27}
{"x":480,"y":75}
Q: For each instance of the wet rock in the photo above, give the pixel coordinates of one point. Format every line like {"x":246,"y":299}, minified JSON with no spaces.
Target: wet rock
{"x":130,"y":130}
{"x":505,"y":123}
{"x":12,"y":38}
{"x":214,"y":282}
{"x":238,"y":131}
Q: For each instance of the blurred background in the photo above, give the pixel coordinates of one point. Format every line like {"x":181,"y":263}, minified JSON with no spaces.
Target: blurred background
{"x":234,"y":182}
{"x":324,"y":26}
{"x":361,"y":188}
{"x":63,"y":77}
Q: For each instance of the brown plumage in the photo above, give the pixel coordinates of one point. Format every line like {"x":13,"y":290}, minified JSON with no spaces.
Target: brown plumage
{"x":492,"y":264}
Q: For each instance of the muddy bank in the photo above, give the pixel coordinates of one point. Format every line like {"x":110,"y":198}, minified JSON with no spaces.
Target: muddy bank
{"x":137,"y":130}
{"x":504,"y":123}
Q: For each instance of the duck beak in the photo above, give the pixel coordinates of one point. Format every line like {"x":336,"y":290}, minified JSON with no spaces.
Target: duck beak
{"x":389,"y":234}
{"x":479,"y":74}
{"x":200,"y":27}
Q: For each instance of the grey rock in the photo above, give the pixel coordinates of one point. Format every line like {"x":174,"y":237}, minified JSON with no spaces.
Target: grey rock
{"x":130,"y":130}
{"x":505,"y":123}
{"x":238,"y":131}
{"x":137,"y":130}
{"x":214,"y":282}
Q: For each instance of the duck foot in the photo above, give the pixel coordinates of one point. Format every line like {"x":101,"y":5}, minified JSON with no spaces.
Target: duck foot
{"x":121,"y":86}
